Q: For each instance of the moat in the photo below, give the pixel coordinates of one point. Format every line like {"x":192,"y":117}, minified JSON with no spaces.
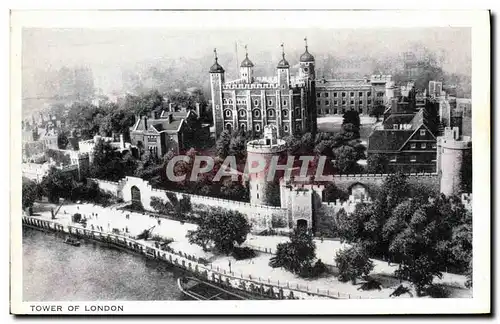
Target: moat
{"x":55,"y":271}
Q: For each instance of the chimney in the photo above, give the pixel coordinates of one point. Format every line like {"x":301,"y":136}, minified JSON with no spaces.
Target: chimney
{"x":171,"y":107}
{"x":122,"y":142}
{"x":170,"y":118}
{"x":145,"y":122}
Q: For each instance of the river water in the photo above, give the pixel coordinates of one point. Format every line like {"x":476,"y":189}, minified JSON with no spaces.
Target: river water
{"x":55,"y":271}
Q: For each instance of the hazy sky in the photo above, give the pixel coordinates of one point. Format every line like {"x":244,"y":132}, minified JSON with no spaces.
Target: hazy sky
{"x":106,"y":51}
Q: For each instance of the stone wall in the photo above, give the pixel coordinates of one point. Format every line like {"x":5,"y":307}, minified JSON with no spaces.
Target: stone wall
{"x":261,"y":217}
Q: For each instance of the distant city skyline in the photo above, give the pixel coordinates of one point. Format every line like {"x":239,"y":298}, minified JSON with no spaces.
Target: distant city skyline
{"x":108,"y":52}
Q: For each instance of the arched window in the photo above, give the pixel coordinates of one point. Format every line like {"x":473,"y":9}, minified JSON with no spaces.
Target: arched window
{"x":229,"y":127}
{"x":256,"y":102}
{"x":257,"y":127}
{"x":285,"y":113}
{"x":270,"y":113}
{"x":285,"y":102}
{"x":243,"y":113}
{"x":243,"y":127}
{"x":285,"y":128}
{"x":256,"y":113}
{"x":227,"y":113}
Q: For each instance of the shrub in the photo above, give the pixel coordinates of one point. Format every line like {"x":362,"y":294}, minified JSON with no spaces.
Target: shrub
{"x":243,"y":253}
{"x":353,"y":263}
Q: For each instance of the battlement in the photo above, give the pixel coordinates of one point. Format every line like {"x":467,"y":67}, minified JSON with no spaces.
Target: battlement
{"x":261,"y":146}
{"x":351,"y":202}
{"x":250,"y":86}
{"x":376,"y":78}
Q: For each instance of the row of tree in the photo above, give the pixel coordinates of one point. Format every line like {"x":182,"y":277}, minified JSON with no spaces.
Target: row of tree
{"x":425,"y":236}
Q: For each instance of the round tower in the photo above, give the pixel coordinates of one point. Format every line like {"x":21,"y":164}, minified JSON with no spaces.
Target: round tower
{"x":263,"y":155}
{"x":454,"y":153}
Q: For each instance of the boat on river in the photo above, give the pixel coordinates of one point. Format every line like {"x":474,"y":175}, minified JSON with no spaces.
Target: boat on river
{"x":197,"y":289}
{"x":72,"y":241}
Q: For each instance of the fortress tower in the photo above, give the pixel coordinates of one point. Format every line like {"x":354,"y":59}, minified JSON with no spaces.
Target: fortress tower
{"x":454,"y":162}
{"x":264,"y":191}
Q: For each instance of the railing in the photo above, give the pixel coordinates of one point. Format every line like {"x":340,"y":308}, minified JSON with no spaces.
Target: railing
{"x":246,"y":282}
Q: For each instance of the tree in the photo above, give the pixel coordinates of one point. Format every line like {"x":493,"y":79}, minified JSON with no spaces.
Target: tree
{"x":62,"y":141}
{"x":222,"y":228}
{"x":377,"y":163}
{"x":30,"y":193}
{"x":296,"y":255}
{"x":223,"y":143}
{"x":351,"y":117}
{"x":57,"y":184}
{"x":377,"y":110}
{"x":144,"y":103}
{"x":346,"y":158}
{"x":352,"y":263}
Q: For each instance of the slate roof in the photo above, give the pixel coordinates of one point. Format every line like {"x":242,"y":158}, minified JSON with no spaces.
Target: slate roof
{"x":392,"y":140}
{"x":163,"y":124}
{"x":388,"y":140}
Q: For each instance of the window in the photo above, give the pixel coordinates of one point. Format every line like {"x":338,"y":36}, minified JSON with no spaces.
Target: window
{"x":256,"y":102}
{"x":369,"y":101}
{"x":343,"y":102}
{"x":326,"y":94}
{"x":270,"y":102}
{"x":257,"y":127}
{"x":394,"y":158}
{"x":327,"y":102}
{"x":433,"y":145}
{"x":256,"y":113}
{"x":413,"y":145}
{"x":413,"y":158}
{"x":217,"y":106}
{"x":285,"y":103}
{"x":360,"y":94}
{"x":318,"y":95}
{"x":285,"y":128}
{"x":335,"y":102}
{"x":335,"y":95}
{"x":343,"y":94}
{"x":361,"y":102}
{"x":285,"y":113}
{"x":318,"y":102}
{"x":243,"y":113}
{"x":270,"y":113}
{"x":395,"y":126}
{"x":327,"y":111}
{"x":423,"y":145}
{"x":257,"y":195}
{"x":352,"y":94}
{"x":368,"y":94}
{"x":352,"y":102}
{"x":422,"y":132}
{"x":380,"y":94}
{"x":228,"y":113}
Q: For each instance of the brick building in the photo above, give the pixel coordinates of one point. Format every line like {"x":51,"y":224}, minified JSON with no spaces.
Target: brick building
{"x":407,"y":141}
{"x":167,"y":131}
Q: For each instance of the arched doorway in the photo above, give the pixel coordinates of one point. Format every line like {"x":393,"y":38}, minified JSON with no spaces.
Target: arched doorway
{"x":136,"y":195}
{"x":302,"y":223}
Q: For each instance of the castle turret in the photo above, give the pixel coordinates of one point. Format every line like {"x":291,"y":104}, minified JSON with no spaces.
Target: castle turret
{"x":216,"y":82}
{"x":454,"y":161}
{"x":246,"y":68}
{"x":268,"y":151}
{"x":283,"y":71}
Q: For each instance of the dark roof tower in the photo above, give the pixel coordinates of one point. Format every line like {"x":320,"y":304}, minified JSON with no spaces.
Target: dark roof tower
{"x":283,"y":64}
{"x":306,"y":57}
{"x":216,"y":68}
{"x":246,"y":62}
